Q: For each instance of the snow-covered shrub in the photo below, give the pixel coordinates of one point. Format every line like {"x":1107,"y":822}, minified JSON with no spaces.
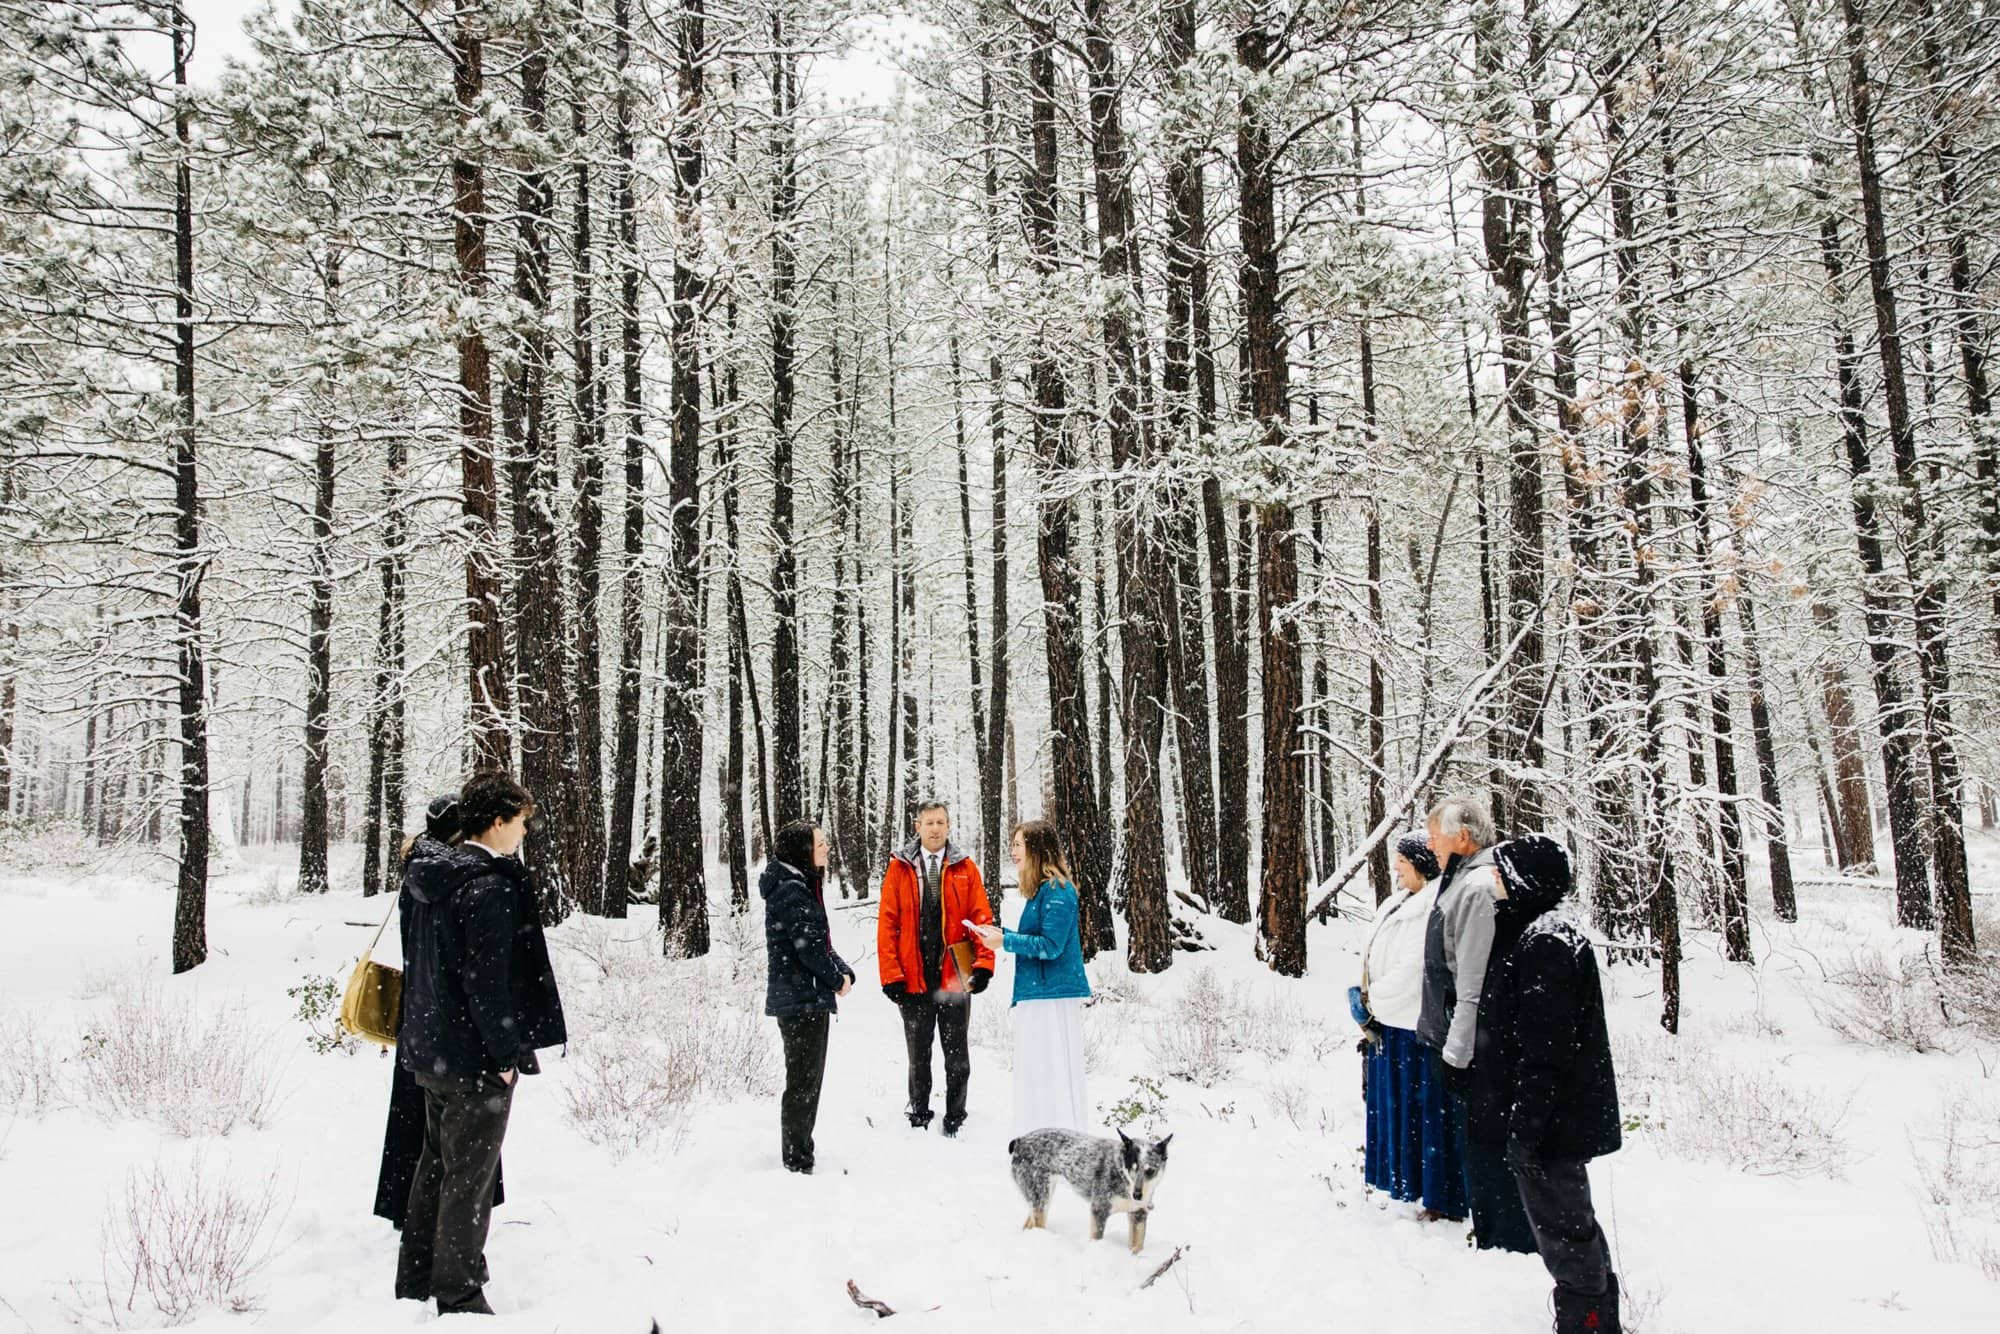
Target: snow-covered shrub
{"x":603,"y":946}
{"x":1880,"y":1000}
{"x":650,"y":1039}
{"x":1290,"y":1099}
{"x":180,"y":1242}
{"x":1971,"y":994}
{"x":1692,"y":1104}
{"x":1958,"y":1179}
{"x":993,"y":1032}
{"x":155,"y":1058}
{"x":1197,"y":1039}
{"x":32,"y":1076}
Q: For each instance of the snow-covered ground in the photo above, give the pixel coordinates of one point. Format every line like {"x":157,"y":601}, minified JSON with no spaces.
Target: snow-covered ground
{"x":1779,"y":1176}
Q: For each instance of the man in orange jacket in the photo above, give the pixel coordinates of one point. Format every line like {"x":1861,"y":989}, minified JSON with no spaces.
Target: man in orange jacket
{"x":932,"y":966}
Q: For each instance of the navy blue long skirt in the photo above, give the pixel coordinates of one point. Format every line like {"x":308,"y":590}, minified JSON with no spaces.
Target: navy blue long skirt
{"x":1415,"y":1146}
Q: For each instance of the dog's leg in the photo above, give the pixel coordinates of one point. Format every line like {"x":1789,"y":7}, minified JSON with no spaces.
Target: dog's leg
{"x":1098,"y":1213}
{"x":1034,"y":1185}
{"x":1138,"y":1220}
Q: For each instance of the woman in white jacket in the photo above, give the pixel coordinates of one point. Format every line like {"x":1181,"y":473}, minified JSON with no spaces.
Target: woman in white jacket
{"x":1412,"y":1150}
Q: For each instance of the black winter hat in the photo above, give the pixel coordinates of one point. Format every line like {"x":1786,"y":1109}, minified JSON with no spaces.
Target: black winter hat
{"x":1535,"y":869}
{"x":1415,"y":849}
{"x":441,"y":818}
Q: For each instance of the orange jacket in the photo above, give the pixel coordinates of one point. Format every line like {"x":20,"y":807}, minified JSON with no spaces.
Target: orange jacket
{"x":961,"y":894}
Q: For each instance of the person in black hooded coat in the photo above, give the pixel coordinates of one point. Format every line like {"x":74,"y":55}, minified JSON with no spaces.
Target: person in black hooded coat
{"x":403,"y":1136}
{"x":804,"y":978}
{"x":1542,"y":1078}
{"x":479,"y":998}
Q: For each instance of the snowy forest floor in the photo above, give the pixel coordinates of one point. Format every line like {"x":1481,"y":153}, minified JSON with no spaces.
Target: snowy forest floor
{"x":1777,"y":1176}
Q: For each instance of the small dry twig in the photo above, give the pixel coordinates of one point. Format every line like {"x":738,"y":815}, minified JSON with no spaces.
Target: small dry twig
{"x":882,"y":1309}
{"x":1165,"y":1265}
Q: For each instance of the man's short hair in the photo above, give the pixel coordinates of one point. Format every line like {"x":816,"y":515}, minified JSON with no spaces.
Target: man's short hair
{"x":926,"y":807}
{"x":1463,"y":813}
{"x":490,"y":797}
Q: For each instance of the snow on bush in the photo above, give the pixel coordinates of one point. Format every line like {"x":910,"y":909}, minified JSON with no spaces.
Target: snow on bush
{"x":651,"y":1037}
{"x":181,"y":1242}
{"x":1208,"y":1030}
{"x":155,"y":1058}
{"x":1879,"y":998}
{"x":1958,"y":1178}
{"x":32,"y":1077}
{"x":1691,"y":1103}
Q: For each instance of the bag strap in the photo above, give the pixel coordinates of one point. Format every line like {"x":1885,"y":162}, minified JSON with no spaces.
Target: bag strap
{"x":394,"y":901}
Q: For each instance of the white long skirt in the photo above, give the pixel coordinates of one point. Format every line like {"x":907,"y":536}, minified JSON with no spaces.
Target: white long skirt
{"x":1048,"y":1066}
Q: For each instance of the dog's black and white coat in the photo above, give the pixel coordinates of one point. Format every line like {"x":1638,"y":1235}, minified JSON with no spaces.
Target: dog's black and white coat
{"x":1113,"y":1176}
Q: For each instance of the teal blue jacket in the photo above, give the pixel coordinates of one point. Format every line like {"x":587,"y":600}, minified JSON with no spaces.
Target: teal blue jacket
{"x":1049,"y":965}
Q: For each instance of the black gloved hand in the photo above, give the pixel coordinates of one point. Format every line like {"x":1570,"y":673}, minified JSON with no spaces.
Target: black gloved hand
{"x":1458,"y":1081}
{"x":981,"y":979}
{"x":1522,"y":1158}
{"x":895,"y":991}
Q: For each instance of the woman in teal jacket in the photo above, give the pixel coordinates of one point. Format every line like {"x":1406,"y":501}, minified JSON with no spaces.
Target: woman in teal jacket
{"x":1049,"y":986}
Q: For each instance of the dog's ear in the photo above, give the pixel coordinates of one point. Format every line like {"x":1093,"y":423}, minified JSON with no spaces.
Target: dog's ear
{"x":1131,"y":1150}
{"x":1161,"y":1147}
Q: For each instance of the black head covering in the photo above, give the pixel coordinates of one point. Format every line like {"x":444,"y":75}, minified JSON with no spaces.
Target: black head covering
{"x":1416,"y":850}
{"x":441,"y":818}
{"x":1535,"y":870}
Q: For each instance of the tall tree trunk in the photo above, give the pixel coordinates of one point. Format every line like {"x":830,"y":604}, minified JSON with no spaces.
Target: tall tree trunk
{"x":1923,"y":546}
{"x":631,"y":593}
{"x":1721,"y":723}
{"x":1639,"y":418}
{"x":486,"y":638}
{"x":998,"y":703}
{"x":388,"y":724}
{"x":1378,"y":704}
{"x":1946,"y":818}
{"x":1189,"y":418}
{"x":787,"y":760}
{"x":549,"y":758}
{"x":319,"y":616}
{"x":1076,"y":808}
{"x":1854,"y":811}
{"x":1281,"y":909}
{"x":1784,"y":897}
{"x":846,"y":824}
{"x":975,"y":663}
{"x":683,"y":882}
{"x":1505,"y":228}
{"x":1967,"y":330}
{"x":190,"y":946}
{"x":1143,"y":645}
{"x":600,"y":889}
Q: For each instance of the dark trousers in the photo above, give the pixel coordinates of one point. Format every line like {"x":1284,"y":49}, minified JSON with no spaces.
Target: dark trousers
{"x":443,"y":1252}
{"x":805,"y":1068}
{"x":1556,"y":1195}
{"x":951,"y":1020}
{"x":403,"y":1144}
{"x":1498,"y":1220}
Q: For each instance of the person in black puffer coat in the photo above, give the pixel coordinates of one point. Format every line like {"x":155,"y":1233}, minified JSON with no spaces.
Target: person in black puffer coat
{"x":479,"y":997}
{"x":806,"y":978}
{"x":1543,"y":1081}
{"x":403,"y":1136}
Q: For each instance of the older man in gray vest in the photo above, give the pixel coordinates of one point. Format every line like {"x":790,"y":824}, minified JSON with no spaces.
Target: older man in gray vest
{"x":1457,"y":940}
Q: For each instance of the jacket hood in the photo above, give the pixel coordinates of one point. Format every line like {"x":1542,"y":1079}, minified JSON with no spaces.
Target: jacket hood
{"x":909,"y":852}
{"x":776,"y":873}
{"x":436,"y":870}
{"x":1535,"y":870}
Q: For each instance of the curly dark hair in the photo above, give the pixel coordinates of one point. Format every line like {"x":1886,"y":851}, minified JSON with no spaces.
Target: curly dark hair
{"x":490,"y":797}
